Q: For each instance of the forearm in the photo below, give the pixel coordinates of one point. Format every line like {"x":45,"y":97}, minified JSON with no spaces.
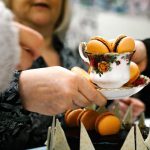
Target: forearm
{"x":147,"y":45}
{"x":140,"y":55}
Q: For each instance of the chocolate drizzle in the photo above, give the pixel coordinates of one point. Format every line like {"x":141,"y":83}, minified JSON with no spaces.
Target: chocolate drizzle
{"x":103,"y":43}
{"x":117,"y":43}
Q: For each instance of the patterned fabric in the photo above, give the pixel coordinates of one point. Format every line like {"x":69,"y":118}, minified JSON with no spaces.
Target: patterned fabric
{"x":20,"y":129}
{"x":12,"y":116}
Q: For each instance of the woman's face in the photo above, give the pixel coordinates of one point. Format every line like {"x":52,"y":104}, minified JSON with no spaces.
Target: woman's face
{"x":37,"y":12}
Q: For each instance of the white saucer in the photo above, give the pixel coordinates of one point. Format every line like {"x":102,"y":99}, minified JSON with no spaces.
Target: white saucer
{"x":124,"y":91}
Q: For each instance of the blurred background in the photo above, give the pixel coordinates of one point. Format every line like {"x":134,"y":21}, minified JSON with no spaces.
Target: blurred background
{"x":108,"y":18}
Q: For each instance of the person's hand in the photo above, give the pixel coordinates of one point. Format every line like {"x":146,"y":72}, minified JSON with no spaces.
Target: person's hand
{"x":140,"y":55}
{"x":137,"y":105}
{"x":30,"y":43}
{"x":54,"y":90}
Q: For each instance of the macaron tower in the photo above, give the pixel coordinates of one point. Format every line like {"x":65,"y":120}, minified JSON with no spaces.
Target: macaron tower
{"x":105,"y":123}
{"x":105,"y":133}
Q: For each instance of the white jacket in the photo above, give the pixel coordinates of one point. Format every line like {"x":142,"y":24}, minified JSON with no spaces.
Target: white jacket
{"x":9,"y":46}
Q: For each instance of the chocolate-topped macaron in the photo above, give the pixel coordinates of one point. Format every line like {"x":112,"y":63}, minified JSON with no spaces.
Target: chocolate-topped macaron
{"x":123,"y":44}
{"x":98,"y":45}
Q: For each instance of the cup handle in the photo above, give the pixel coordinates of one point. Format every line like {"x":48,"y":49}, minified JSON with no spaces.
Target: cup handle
{"x":82,"y":53}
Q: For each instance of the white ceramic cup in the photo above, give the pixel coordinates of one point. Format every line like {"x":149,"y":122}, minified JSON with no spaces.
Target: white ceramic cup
{"x":109,"y":70}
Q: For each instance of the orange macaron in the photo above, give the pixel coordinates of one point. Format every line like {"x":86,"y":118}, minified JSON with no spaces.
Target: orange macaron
{"x":107,"y":124}
{"x":88,"y":118}
{"x":71,"y":117}
{"x":98,"y":45}
{"x":134,"y":72}
{"x":123,"y":44}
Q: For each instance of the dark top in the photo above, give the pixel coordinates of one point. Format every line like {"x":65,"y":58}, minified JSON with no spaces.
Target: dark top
{"x":144,"y":95}
{"x":20,"y":129}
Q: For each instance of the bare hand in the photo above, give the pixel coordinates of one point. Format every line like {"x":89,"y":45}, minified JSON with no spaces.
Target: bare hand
{"x":53,"y":90}
{"x":30,"y":43}
{"x":137,"y":105}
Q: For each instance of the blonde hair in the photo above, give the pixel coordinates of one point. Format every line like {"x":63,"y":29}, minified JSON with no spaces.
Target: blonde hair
{"x":63,"y":21}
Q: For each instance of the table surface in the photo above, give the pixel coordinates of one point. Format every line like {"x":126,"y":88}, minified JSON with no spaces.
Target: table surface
{"x":39,"y":148}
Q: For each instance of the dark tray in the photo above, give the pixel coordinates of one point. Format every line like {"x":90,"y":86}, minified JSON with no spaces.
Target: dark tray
{"x":111,"y":142}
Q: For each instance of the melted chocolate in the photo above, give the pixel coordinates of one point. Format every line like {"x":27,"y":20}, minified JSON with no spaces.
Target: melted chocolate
{"x":117,"y":43}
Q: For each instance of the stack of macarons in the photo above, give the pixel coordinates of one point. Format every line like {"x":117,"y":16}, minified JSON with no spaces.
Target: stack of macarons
{"x":121,"y":44}
{"x":105,"y":123}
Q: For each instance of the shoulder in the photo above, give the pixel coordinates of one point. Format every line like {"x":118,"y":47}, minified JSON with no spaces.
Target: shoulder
{"x":147,"y":45}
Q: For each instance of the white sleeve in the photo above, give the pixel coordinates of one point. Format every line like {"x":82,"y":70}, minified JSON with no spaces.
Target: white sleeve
{"x":9,"y":46}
